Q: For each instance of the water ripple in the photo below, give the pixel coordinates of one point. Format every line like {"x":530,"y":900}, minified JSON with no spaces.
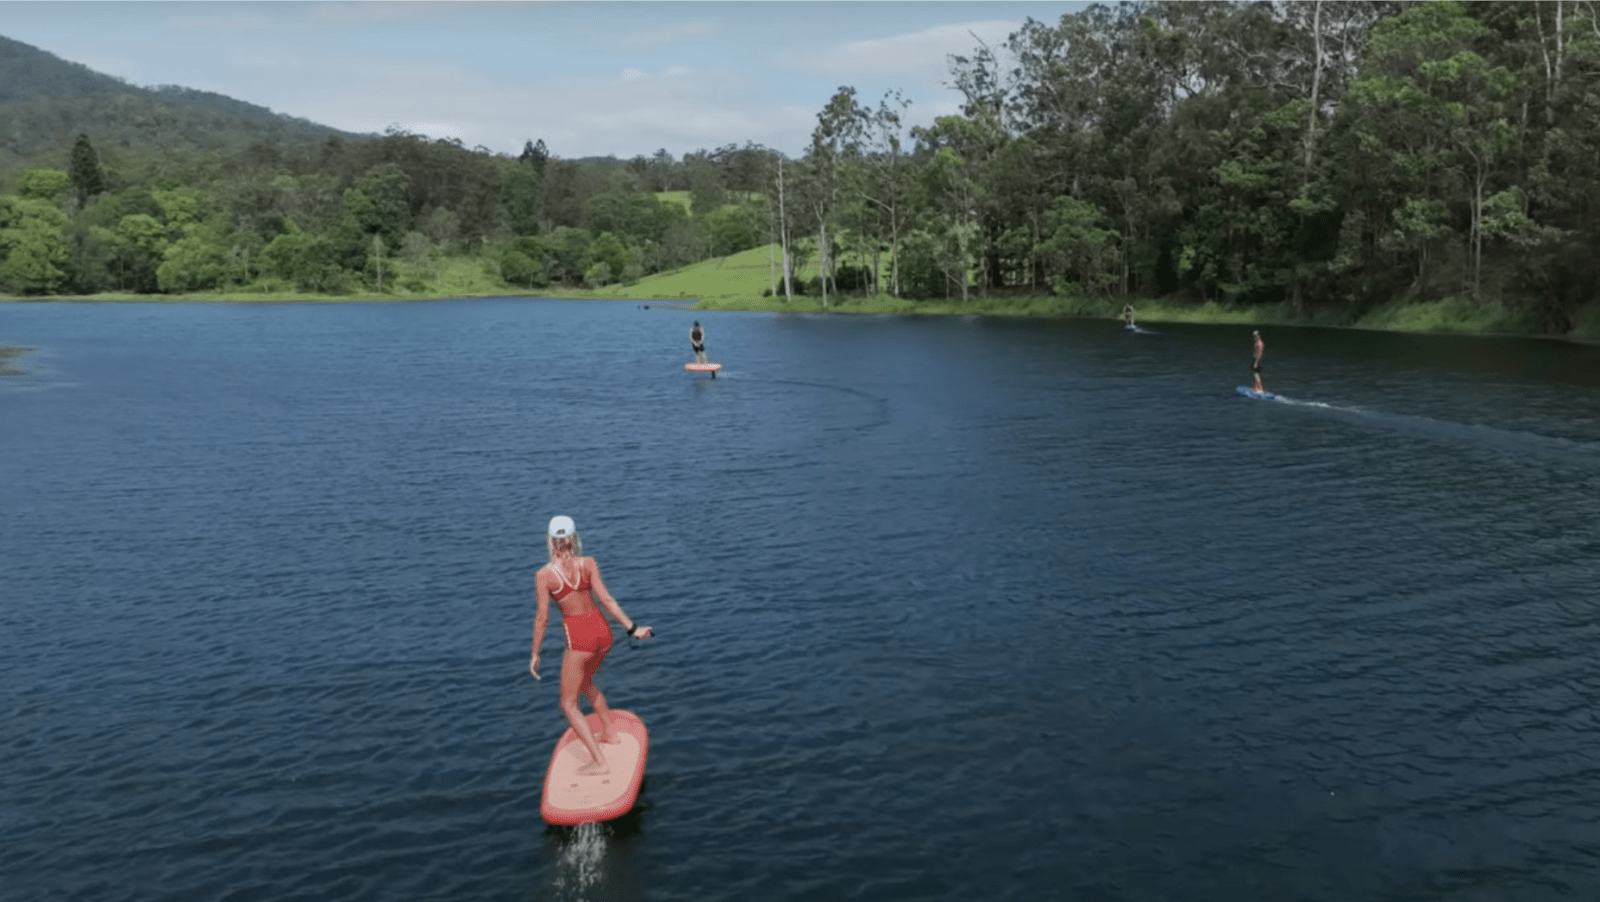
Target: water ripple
{"x":964,"y":608}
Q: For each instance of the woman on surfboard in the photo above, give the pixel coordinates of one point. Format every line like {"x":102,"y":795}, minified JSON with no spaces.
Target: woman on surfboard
{"x":697,"y":339}
{"x":574,"y":581}
{"x":1255,"y":361}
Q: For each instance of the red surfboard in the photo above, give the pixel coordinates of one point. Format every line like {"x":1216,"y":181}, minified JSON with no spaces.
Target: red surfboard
{"x":702,"y":367}
{"x":570,"y":798}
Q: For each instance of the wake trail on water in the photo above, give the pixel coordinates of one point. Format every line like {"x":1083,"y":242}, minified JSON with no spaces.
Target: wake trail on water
{"x":580,"y":866}
{"x":879,"y":403}
{"x":1550,"y":447}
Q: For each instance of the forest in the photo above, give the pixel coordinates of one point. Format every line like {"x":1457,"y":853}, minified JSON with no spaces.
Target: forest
{"x":1325,"y":157}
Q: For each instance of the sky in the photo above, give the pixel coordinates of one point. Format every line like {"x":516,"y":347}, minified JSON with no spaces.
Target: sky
{"x":589,"y":78}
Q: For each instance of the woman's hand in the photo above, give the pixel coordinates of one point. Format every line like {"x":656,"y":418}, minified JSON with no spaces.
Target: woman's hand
{"x":533,"y":665}
{"x":641,"y":632}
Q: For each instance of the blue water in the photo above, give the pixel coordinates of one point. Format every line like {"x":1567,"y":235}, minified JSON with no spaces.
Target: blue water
{"x":948,"y":608}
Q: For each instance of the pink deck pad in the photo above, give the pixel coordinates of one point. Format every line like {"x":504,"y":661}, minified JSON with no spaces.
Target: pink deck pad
{"x":702,"y":367}
{"x":573,"y":799}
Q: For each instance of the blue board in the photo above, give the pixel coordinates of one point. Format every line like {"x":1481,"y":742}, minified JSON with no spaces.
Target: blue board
{"x":1249,"y":392}
{"x":1129,"y":328}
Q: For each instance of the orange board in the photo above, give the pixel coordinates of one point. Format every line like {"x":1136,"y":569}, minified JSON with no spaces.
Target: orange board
{"x":702,"y":367}
{"x":571,"y":798}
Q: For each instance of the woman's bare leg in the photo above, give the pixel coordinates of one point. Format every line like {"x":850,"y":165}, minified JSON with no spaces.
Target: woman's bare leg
{"x":598,"y":700}
{"x":575,"y":672}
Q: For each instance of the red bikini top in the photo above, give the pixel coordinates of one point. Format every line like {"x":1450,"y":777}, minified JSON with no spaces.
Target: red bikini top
{"x":563,"y":590}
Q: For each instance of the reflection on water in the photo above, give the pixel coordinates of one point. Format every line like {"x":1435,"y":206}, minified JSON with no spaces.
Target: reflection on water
{"x":8,"y":360}
{"x":948,"y":608}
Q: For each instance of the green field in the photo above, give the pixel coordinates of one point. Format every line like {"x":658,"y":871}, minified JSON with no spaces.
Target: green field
{"x":743,"y":276}
{"x":681,"y":198}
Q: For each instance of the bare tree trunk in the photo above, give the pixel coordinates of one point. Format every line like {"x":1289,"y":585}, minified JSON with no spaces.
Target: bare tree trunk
{"x":1552,"y":68}
{"x":822,"y":261}
{"x":1477,"y":232}
{"x":1316,"y":86}
{"x":1550,"y":100}
{"x":377,"y":257}
{"x":965,"y":256}
{"x":894,"y":264}
{"x":783,"y":237}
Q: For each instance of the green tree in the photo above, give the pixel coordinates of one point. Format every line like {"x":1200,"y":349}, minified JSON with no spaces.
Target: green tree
{"x":884,"y":184}
{"x":519,"y":195}
{"x":195,"y":262}
{"x":1435,"y":112}
{"x":631,"y":213}
{"x":88,"y":179}
{"x":536,"y":156}
{"x":836,"y":140}
{"x":422,"y":253}
{"x":1082,"y":249}
{"x":305,"y":260}
{"x":706,"y":191}
{"x":521,"y":270}
{"x":181,"y":207}
{"x":380,"y":202}
{"x":564,"y":254}
{"x":735,"y":228}
{"x":44,"y":184}
{"x":952,"y":196}
{"x":608,"y":249}
{"x":140,"y":242}
{"x":33,"y":250}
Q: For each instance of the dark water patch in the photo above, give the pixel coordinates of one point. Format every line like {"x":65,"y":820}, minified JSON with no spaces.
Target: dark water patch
{"x":9,"y":354}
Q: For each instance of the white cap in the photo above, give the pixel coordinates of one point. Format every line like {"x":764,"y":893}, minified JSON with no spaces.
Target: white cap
{"x":562,"y":528}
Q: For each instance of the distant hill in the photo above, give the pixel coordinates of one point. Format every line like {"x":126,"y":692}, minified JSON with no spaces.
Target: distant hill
{"x":26,"y":72}
{"x":45,"y":102}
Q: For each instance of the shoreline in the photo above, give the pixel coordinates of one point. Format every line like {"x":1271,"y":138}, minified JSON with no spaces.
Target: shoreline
{"x":1390,"y":318}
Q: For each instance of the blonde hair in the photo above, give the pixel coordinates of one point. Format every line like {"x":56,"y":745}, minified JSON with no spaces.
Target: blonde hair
{"x":574,"y":540}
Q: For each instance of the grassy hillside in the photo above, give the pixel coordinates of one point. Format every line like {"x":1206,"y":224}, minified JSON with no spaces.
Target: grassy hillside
{"x":743,"y":276}
{"x":681,"y":198}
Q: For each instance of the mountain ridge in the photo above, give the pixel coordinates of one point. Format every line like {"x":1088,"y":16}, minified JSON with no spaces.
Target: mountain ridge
{"x":46,"y":101}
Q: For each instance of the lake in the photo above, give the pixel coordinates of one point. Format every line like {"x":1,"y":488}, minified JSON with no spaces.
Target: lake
{"x":947,"y":608}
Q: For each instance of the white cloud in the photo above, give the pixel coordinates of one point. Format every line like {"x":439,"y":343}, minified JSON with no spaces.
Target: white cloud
{"x":435,"y":130}
{"x":233,"y":21}
{"x":667,"y":35}
{"x":376,"y":11}
{"x":575,"y":117}
{"x":633,"y":75}
{"x":920,"y":54}
{"x":297,"y":18}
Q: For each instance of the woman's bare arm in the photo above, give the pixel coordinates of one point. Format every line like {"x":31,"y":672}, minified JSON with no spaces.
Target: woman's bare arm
{"x":610,"y":603}
{"x":541,"y":619}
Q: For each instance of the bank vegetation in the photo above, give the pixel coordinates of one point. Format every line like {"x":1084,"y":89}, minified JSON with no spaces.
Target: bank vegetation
{"x":1415,"y":165}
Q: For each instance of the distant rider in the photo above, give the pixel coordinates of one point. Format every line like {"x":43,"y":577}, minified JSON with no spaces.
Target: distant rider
{"x":1127,"y":316}
{"x":1255,"y":361}
{"x":697,"y":338}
